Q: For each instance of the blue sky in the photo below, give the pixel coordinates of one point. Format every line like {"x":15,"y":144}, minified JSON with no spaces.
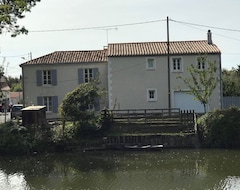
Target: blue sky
{"x":90,"y":24}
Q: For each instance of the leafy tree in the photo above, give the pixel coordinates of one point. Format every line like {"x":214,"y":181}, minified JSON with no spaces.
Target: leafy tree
{"x":231,"y":82}
{"x":11,"y":11}
{"x":14,"y":83}
{"x":202,"y":81}
{"x":75,"y":105}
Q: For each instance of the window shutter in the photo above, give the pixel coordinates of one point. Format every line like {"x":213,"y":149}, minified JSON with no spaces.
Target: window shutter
{"x":39,"y":77}
{"x":54,"y":77}
{"x":95,"y":73}
{"x":55,"y":104}
{"x":40,"y":100}
{"x":80,"y":76}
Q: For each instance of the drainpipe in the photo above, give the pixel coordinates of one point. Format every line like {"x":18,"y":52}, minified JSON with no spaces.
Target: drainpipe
{"x":168,"y":59}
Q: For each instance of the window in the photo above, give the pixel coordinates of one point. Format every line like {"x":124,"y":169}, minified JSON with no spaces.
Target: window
{"x":88,"y":75}
{"x":47,"y":101}
{"x":150,"y":64}
{"x":176,"y":64}
{"x":151,"y":95}
{"x":47,"y":77}
{"x":85,"y":75}
{"x":51,"y":103}
{"x":201,"y":63}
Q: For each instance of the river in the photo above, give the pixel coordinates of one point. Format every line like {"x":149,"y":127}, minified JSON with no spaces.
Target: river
{"x":169,"y":169}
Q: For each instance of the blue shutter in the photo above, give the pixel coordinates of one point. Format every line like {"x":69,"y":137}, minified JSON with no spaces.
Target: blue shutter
{"x":95,"y":73}
{"x":39,"y":77}
{"x":55,"y":104}
{"x":80,"y":76}
{"x":40,"y":100}
{"x":54,"y":77}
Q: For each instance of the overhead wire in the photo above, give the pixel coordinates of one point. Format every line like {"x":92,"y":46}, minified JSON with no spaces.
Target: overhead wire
{"x":206,"y":26}
{"x":194,"y":26}
{"x":98,"y":27}
{"x":189,"y":24}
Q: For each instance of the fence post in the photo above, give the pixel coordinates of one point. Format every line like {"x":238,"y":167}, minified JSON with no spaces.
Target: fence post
{"x":145,"y":113}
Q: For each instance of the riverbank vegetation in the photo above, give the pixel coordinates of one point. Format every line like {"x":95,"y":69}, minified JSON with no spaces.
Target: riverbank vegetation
{"x":217,"y":129}
{"x":220,"y":128}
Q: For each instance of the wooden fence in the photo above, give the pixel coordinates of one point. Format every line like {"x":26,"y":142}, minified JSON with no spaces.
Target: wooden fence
{"x":154,"y":117}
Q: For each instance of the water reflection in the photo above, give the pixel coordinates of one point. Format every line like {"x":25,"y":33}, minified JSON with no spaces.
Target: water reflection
{"x":170,"y":169}
{"x":14,"y":181}
{"x":230,"y":183}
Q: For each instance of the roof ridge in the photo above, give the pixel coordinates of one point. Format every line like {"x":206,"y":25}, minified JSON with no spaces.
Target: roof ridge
{"x":157,"y":42}
{"x":79,"y":50}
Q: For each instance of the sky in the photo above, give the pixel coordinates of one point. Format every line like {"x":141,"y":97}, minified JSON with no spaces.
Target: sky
{"x":60,"y":25}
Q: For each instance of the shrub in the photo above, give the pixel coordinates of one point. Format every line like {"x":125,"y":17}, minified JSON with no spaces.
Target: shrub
{"x":221,"y":128}
{"x":15,"y":139}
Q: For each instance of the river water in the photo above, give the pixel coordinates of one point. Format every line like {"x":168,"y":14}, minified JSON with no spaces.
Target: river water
{"x":168,"y":169}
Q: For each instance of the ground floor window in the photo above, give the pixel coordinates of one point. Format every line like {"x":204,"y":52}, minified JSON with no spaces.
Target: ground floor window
{"x":47,"y":101}
{"x":151,"y":94}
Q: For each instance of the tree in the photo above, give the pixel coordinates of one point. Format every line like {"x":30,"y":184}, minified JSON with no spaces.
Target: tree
{"x":11,"y":11}
{"x":75,"y":105}
{"x":202,"y":81}
{"x":231,"y":82}
{"x":14,"y":83}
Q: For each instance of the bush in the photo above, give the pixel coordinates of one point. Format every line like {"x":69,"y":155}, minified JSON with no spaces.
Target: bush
{"x":15,"y":139}
{"x":221,"y":128}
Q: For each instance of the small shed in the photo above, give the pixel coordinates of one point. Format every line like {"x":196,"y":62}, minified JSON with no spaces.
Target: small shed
{"x":34,"y":115}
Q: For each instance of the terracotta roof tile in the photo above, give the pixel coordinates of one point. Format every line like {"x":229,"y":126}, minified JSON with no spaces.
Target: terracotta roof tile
{"x":70,"y":57}
{"x":126,"y":49}
{"x":160,"y":48}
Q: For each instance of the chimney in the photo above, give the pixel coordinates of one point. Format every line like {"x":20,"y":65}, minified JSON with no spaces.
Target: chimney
{"x":209,"y":37}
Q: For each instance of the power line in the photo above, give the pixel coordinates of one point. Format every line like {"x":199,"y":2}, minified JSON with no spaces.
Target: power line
{"x":131,"y":24}
{"x":206,"y":26}
{"x":196,"y":28}
{"x":98,"y":27}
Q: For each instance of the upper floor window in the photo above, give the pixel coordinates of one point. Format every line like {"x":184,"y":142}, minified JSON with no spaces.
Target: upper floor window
{"x":46,"y":77}
{"x":151,"y":64}
{"x":201,"y":63}
{"x":151,"y":95}
{"x":177,"y":64}
{"x":88,"y":75}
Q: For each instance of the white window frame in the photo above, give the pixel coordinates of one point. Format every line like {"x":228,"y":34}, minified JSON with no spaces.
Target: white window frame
{"x":88,"y":75}
{"x":48,"y":102}
{"x":177,"y":68}
{"x":153,"y":62}
{"x":200,"y":64}
{"x":149,"y":95}
{"x":47,"y":77}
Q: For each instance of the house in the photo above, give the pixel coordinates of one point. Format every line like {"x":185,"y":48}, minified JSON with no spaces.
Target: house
{"x":47,"y":79}
{"x":16,"y":97}
{"x":138,"y":74}
{"x":5,"y":94}
{"x":135,"y":75}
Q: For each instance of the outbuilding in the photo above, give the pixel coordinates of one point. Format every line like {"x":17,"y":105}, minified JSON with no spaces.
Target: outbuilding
{"x":33,"y":115}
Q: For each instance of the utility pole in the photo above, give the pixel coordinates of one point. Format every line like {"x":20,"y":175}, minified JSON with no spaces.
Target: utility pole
{"x":168,"y":62}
